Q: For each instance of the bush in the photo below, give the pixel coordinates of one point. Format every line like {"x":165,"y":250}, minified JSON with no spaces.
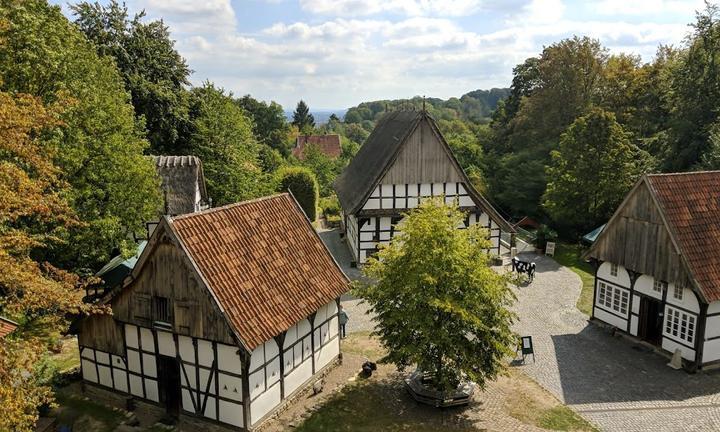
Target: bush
{"x":303,"y":185}
{"x":330,"y":206}
{"x":543,"y":235}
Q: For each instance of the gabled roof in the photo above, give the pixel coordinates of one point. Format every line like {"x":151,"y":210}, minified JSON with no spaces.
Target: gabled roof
{"x":180,"y":176}
{"x":689,"y":208}
{"x":690,"y":205}
{"x":263,"y":263}
{"x":7,"y":327}
{"x":355,"y":184}
{"x":327,"y":144}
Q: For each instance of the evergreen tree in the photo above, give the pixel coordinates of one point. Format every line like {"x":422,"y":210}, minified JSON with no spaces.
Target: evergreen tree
{"x":302,"y":118}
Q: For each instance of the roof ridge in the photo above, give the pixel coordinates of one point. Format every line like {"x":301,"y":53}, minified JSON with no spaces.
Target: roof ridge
{"x":230,"y":206}
{"x":682,"y":173}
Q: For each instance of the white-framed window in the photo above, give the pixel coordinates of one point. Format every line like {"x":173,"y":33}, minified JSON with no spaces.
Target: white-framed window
{"x":613,"y":297}
{"x":678,"y":291}
{"x":659,"y":286}
{"x":613,"y":269}
{"x":679,"y":324}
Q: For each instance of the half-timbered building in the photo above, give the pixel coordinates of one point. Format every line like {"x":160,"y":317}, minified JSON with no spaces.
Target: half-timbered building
{"x":404,"y":160}
{"x":656,"y":265}
{"x":227,"y":313}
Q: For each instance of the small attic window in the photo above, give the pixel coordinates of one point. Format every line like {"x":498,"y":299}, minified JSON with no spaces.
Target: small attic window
{"x":613,"y":270}
{"x":161,"y":309}
{"x":678,"y":291}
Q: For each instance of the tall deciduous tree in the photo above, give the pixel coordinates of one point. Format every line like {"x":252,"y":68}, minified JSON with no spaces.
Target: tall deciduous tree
{"x":33,"y":215}
{"x":153,"y":71}
{"x":695,"y":92}
{"x":114,"y":189}
{"x":302,"y":118}
{"x":221,"y":135}
{"x":591,"y":171}
{"x":270,"y":126}
{"x":439,"y":305}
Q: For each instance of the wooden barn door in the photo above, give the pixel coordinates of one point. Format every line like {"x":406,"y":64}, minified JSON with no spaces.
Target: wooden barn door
{"x":169,"y":378}
{"x":650,"y":325}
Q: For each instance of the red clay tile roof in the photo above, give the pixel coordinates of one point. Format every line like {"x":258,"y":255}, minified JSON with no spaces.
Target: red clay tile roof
{"x":690,"y":203}
{"x":328,"y":144}
{"x":264,"y":262}
{"x":6,"y":327}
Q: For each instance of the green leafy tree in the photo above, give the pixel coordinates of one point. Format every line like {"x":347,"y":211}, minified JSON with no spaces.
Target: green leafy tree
{"x":591,"y":171}
{"x":98,"y":147}
{"x":548,"y":95}
{"x":221,"y":136}
{"x":695,"y":91}
{"x":302,"y":118}
{"x":153,"y":71}
{"x":439,"y":304}
{"x":302,"y":184}
{"x":33,"y":215}
{"x":270,"y":126}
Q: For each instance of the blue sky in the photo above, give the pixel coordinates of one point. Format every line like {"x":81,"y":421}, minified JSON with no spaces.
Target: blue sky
{"x":337,"y":53}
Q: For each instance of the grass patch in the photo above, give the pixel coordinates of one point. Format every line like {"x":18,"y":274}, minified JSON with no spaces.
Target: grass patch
{"x":562,"y":418}
{"x":531,"y":404}
{"x":73,"y":407}
{"x":570,"y":256}
{"x":371,"y":407}
{"x":68,"y":357}
{"x":360,"y":343}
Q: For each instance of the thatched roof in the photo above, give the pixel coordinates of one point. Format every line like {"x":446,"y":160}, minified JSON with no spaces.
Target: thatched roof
{"x":181,"y":176}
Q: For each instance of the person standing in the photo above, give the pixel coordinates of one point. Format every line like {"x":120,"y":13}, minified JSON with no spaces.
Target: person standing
{"x":343,"y":320}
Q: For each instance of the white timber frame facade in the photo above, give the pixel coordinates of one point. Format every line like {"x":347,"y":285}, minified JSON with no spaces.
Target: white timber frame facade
{"x":404,"y":161}
{"x":648,"y":283}
{"x":169,"y":341}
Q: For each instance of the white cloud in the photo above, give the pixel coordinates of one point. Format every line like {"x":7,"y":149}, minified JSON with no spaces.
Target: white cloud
{"x":406,"y":49}
{"x":405,"y":7}
{"x":647,"y":7}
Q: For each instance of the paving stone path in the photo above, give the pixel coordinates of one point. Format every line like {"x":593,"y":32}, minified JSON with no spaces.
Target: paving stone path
{"x":615,"y":383}
{"x":611,"y":381}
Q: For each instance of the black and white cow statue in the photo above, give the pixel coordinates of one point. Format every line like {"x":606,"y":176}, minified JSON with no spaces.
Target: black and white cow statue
{"x":524,"y":267}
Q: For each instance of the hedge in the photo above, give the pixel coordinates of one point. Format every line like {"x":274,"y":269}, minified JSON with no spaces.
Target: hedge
{"x":303,"y":185}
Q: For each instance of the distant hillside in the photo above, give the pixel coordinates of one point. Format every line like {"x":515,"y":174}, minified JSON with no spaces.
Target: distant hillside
{"x":321,"y":116}
{"x":476,"y":106}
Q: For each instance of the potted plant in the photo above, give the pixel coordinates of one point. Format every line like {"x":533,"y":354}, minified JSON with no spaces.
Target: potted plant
{"x":543,"y":235}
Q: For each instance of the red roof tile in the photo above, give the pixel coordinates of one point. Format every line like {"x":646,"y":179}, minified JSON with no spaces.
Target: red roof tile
{"x":6,"y":327}
{"x":264,"y":262}
{"x":328,"y":144}
{"x":690,"y":203}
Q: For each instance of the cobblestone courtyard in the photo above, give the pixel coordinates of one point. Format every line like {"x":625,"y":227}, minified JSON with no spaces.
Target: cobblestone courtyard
{"x":611,"y":381}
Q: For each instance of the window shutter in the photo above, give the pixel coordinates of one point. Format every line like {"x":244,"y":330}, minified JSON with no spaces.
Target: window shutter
{"x":141,"y":307}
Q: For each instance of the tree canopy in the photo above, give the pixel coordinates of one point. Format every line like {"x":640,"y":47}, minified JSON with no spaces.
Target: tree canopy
{"x":221,"y":135}
{"x":438,"y":303}
{"x":590,"y":172}
{"x":98,"y":146}
{"x":153,"y":71}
